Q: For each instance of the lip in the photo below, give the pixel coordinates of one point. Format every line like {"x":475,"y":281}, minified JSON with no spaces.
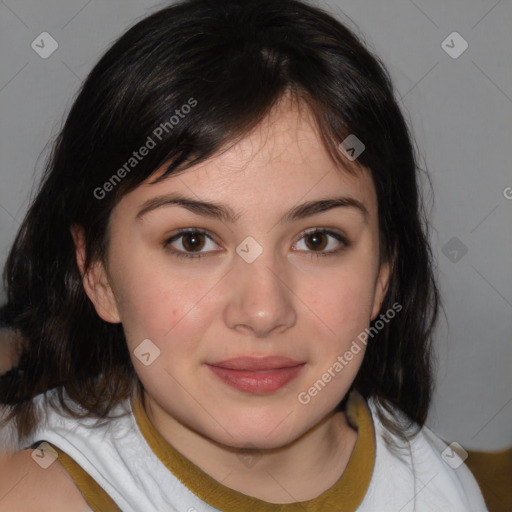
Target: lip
{"x":251,"y":363}
{"x":257,"y":375}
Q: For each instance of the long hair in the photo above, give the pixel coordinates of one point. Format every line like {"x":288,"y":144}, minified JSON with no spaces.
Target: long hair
{"x":193,"y":77}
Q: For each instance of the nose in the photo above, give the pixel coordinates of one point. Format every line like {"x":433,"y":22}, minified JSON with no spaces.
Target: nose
{"x":260,"y":301}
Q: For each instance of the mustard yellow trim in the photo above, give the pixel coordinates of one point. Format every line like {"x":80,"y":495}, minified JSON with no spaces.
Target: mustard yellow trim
{"x":92,"y":492}
{"x":344,"y":496}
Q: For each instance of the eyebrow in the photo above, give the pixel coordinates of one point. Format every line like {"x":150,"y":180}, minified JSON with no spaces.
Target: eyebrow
{"x":225,"y":213}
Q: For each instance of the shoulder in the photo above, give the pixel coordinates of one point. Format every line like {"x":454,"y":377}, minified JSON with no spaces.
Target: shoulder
{"x":29,"y":484}
{"x":424,"y":470}
{"x":451,"y":478}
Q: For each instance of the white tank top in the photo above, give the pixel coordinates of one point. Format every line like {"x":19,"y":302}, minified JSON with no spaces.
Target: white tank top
{"x":116,"y":454}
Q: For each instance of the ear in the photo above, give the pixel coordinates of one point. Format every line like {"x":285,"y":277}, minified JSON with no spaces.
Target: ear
{"x":95,"y":280}
{"x":381,"y":287}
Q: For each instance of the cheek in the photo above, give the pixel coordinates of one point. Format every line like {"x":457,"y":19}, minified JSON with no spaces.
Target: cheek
{"x":151,"y":303}
{"x":172,"y":311}
{"x":341,"y":300}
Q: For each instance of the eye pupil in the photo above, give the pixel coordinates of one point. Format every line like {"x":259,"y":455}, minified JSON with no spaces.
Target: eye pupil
{"x":194,"y":239}
{"x":316,"y":237}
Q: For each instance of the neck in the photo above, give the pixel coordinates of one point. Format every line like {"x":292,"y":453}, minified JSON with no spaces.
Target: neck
{"x":276,"y":475}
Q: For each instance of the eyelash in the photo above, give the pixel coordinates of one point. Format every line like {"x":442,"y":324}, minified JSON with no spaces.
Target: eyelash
{"x":181,"y":233}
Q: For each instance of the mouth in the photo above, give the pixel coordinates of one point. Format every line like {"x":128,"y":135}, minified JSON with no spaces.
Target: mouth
{"x":257,"y":375}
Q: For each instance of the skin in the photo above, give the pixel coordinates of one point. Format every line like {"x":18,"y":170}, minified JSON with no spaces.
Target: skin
{"x":287,"y":302}
{"x":24,"y":485}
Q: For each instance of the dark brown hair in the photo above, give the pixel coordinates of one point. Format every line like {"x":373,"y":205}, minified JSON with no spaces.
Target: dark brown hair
{"x":233,"y":60}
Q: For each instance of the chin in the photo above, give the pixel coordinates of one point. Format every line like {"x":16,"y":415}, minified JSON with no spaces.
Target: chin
{"x":266,"y":435}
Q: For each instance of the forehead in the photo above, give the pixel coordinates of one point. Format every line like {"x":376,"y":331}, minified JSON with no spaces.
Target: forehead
{"x":281,"y":162}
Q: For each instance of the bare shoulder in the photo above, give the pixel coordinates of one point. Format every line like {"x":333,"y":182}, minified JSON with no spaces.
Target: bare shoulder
{"x":26,"y":484}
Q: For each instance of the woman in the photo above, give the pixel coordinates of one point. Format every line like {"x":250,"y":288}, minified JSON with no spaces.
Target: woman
{"x":224,"y":283}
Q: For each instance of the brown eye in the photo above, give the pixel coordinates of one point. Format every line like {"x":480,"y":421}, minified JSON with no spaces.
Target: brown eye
{"x":318,"y":240}
{"x":192,"y":242}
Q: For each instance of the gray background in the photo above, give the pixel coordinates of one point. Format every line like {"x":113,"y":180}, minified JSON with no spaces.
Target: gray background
{"x":460,"y":110}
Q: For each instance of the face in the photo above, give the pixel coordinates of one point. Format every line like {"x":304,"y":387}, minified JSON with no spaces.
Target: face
{"x":286,"y":286}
